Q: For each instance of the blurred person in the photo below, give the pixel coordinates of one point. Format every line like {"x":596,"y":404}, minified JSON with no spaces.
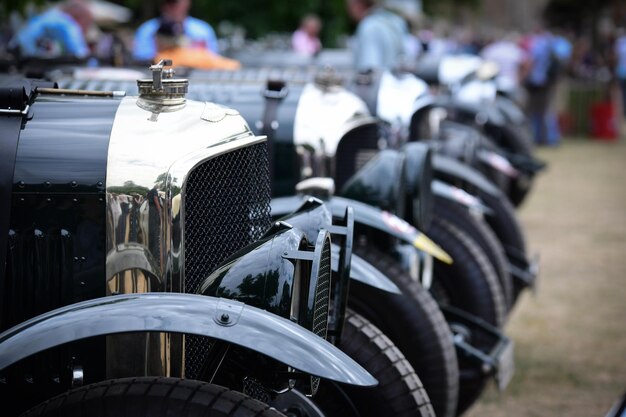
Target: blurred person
{"x":466,"y":42}
{"x":541,"y":87}
{"x":620,"y":68}
{"x":199,"y":33}
{"x":562,"y":50}
{"x":172,"y":44}
{"x":306,"y":40}
{"x":410,"y":12}
{"x":380,"y":36}
{"x":441,"y":43}
{"x":59,"y":31}
{"x":510,"y":58}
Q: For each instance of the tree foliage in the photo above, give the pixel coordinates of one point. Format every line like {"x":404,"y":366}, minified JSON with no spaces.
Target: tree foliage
{"x":259,"y":17}
{"x":573,"y":14}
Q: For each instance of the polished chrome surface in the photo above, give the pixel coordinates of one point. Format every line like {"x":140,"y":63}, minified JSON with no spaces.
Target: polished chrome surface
{"x":427,"y":270}
{"x":399,"y":96}
{"x":161,"y":93}
{"x":453,"y":68}
{"x":254,"y":328}
{"x":322,"y":187}
{"x":324,"y":116}
{"x":149,"y":160}
{"x":78,"y":376}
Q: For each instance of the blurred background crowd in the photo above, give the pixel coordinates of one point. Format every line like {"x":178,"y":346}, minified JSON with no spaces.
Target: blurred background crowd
{"x":564,"y":59}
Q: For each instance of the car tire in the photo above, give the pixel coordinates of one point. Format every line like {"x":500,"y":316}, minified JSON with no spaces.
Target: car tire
{"x":152,"y":397}
{"x":505,"y":224}
{"x":399,"y":392}
{"x":484,"y":236}
{"x":520,"y":141}
{"x":470,"y":284}
{"x":414,"y":323}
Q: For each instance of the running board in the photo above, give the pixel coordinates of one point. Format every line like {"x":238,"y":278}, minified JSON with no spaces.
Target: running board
{"x":498,"y":361}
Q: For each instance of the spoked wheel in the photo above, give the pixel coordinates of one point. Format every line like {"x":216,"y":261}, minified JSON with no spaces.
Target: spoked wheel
{"x":414,"y":323}
{"x":399,"y":392}
{"x":152,"y":397}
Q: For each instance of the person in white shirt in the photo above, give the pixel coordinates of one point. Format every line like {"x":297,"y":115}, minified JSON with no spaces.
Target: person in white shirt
{"x":511,"y":59}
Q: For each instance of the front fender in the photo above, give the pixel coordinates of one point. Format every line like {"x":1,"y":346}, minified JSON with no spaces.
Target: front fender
{"x":370,"y":217}
{"x":450,"y":170}
{"x":360,"y":270}
{"x":363,"y":272}
{"x":246,"y":326}
{"x":481,"y":113}
{"x":419,"y":176}
{"x":380,"y":183}
{"x":460,"y":196}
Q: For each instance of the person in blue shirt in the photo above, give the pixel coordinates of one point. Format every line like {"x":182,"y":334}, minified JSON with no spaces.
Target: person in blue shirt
{"x":620,"y":68}
{"x":199,"y":33}
{"x":56,"y":32}
{"x":548,"y":57}
{"x":380,"y":36}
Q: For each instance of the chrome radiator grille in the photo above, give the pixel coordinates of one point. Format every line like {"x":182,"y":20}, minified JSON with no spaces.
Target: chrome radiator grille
{"x":226,"y":207}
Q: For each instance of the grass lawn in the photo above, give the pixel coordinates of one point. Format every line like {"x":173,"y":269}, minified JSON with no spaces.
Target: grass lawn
{"x":571,"y":335}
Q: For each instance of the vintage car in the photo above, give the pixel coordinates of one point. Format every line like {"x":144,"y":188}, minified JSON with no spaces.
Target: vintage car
{"x":136,"y":242}
{"x":320,"y":130}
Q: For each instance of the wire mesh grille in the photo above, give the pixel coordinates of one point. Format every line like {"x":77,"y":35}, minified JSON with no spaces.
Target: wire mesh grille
{"x":226,"y":207}
{"x":356,"y":149}
{"x":322,"y":294}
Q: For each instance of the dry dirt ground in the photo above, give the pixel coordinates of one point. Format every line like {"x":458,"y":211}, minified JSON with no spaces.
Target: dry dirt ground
{"x":571,"y":335}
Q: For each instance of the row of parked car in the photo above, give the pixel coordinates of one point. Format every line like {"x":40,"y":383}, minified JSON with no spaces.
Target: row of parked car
{"x":287,"y":239}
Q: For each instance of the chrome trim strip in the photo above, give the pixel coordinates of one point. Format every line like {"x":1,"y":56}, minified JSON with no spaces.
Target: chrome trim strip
{"x":16,"y":111}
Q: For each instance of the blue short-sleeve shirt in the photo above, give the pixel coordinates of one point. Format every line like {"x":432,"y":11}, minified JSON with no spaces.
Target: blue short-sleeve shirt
{"x":198,"y":32}
{"x":52,"y":33}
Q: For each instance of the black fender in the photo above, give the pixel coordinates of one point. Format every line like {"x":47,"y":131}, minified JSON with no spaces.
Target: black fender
{"x":260,"y":274}
{"x":380,"y":183}
{"x":511,"y":110}
{"x":369,"y":217}
{"x":418,"y":174}
{"x":450,"y":170}
{"x":246,"y":326}
{"x":312,"y":215}
{"x":460,"y":196}
{"x":363,"y":272}
{"x":481,"y":114}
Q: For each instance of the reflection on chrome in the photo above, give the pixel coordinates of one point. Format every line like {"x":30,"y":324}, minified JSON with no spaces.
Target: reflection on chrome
{"x":148,"y":163}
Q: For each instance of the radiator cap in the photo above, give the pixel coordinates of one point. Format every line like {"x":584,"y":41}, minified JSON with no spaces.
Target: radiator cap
{"x":162,"y":93}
